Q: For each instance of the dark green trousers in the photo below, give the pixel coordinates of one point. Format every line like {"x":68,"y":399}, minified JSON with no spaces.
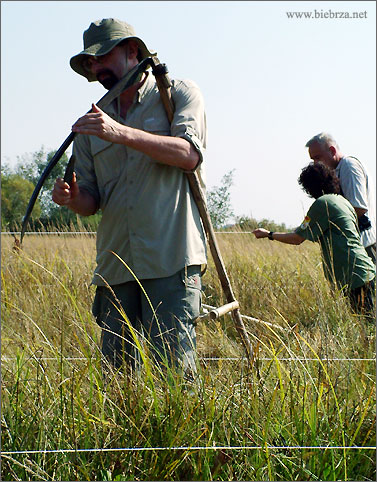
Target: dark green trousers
{"x":164,"y":324}
{"x":363,"y":300}
{"x":371,"y":250}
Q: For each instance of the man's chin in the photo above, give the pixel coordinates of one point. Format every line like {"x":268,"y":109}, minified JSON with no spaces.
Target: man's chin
{"x":108,"y":83}
{"x":108,"y":80}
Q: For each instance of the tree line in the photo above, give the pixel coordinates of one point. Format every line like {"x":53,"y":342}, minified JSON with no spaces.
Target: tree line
{"x":17,"y":186}
{"x":18,"y":183}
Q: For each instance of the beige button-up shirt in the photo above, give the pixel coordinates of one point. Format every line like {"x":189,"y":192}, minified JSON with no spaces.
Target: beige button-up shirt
{"x":149,"y":217}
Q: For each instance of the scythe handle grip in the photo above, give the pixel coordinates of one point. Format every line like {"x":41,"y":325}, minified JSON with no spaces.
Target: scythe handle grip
{"x":68,"y":175}
{"x":125,"y":82}
{"x":223,"y":310}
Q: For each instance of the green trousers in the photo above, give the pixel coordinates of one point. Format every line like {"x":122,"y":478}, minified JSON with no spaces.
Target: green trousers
{"x":371,"y":250}
{"x":163,"y":323}
{"x":362,"y":300}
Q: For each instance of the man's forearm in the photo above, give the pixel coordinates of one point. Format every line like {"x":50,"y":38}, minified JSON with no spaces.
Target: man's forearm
{"x":360,"y":211}
{"x":173,"y":151}
{"x":288,"y":238}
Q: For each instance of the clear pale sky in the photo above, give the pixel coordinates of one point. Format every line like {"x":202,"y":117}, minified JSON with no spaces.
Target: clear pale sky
{"x":269,"y":82}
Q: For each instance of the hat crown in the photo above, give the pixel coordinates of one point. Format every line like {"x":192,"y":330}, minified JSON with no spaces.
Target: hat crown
{"x":106,"y":29}
{"x":100,"y":38}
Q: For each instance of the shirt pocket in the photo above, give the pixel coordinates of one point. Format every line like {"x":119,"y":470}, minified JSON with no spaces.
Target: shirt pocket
{"x":108,"y":160}
{"x":155,"y":125}
{"x":190,"y":276}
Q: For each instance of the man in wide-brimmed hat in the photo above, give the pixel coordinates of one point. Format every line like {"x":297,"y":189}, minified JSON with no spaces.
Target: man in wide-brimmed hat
{"x":130,"y":164}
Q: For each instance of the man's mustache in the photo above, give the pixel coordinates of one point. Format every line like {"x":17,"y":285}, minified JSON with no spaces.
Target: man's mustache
{"x":107,"y":78}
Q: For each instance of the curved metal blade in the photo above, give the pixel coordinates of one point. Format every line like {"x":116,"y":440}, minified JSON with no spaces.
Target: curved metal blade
{"x":123,"y":84}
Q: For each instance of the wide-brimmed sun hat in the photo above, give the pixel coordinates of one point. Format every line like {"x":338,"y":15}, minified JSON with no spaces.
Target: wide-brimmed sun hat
{"x":101,"y":37}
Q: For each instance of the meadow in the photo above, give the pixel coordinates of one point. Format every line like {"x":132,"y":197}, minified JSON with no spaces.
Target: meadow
{"x":304,"y":411}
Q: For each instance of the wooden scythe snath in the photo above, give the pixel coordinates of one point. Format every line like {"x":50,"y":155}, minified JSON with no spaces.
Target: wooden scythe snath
{"x":160,"y":72}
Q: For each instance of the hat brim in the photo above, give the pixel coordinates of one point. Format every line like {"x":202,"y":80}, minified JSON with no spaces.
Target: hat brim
{"x":97,"y":50}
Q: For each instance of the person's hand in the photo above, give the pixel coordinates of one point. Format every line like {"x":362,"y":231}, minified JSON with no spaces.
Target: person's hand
{"x":63,"y":193}
{"x":260,"y":233}
{"x":98,"y":123}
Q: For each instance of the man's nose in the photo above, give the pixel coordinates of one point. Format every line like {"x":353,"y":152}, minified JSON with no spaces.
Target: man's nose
{"x":92,"y":62}
{"x":96,"y":65}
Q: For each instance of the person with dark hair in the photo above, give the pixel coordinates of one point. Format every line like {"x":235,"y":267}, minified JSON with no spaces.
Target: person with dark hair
{"x":131,"y":164}
{"x":332,"y":221}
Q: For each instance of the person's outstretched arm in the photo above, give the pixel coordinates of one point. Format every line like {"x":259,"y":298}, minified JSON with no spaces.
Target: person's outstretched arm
{"x":287,"y":238}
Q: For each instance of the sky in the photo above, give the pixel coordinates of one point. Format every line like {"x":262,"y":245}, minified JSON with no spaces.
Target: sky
{"x":269,"y":82}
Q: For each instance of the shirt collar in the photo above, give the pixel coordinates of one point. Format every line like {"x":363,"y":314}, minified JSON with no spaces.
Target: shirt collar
{"x":142,"y":92}
{"x":145,"y":88}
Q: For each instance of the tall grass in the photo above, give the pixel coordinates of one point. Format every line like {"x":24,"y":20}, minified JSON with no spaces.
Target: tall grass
{"x":301,"y":391}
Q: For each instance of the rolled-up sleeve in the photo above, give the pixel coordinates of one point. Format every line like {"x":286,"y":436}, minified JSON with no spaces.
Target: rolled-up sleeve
{"x":189,"y":121}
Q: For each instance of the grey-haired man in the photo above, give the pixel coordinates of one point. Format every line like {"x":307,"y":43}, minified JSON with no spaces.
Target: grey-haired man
{"x":130,"y":164}
{"x":355,"y":183}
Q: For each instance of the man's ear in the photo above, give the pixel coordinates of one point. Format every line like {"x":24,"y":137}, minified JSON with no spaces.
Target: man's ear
{"x":332,"y":150}
{"x":133,"y":49}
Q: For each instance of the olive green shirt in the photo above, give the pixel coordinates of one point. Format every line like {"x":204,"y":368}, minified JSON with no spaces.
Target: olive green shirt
{"x":149,"y":217}
{"x":332,"y":221}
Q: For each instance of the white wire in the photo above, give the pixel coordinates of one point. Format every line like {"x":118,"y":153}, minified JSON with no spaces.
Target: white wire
{"x":94,"y":232}
{"x":6,"y":359}
{"x":289,"y":359}
{"x":49,"y":232}
{"x":220,"y":447}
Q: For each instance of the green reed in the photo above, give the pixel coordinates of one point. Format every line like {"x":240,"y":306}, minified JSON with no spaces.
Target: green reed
{"x":57,"y":394}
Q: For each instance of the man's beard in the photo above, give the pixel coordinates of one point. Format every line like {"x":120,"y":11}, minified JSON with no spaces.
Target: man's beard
{"x":107,"y":78}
